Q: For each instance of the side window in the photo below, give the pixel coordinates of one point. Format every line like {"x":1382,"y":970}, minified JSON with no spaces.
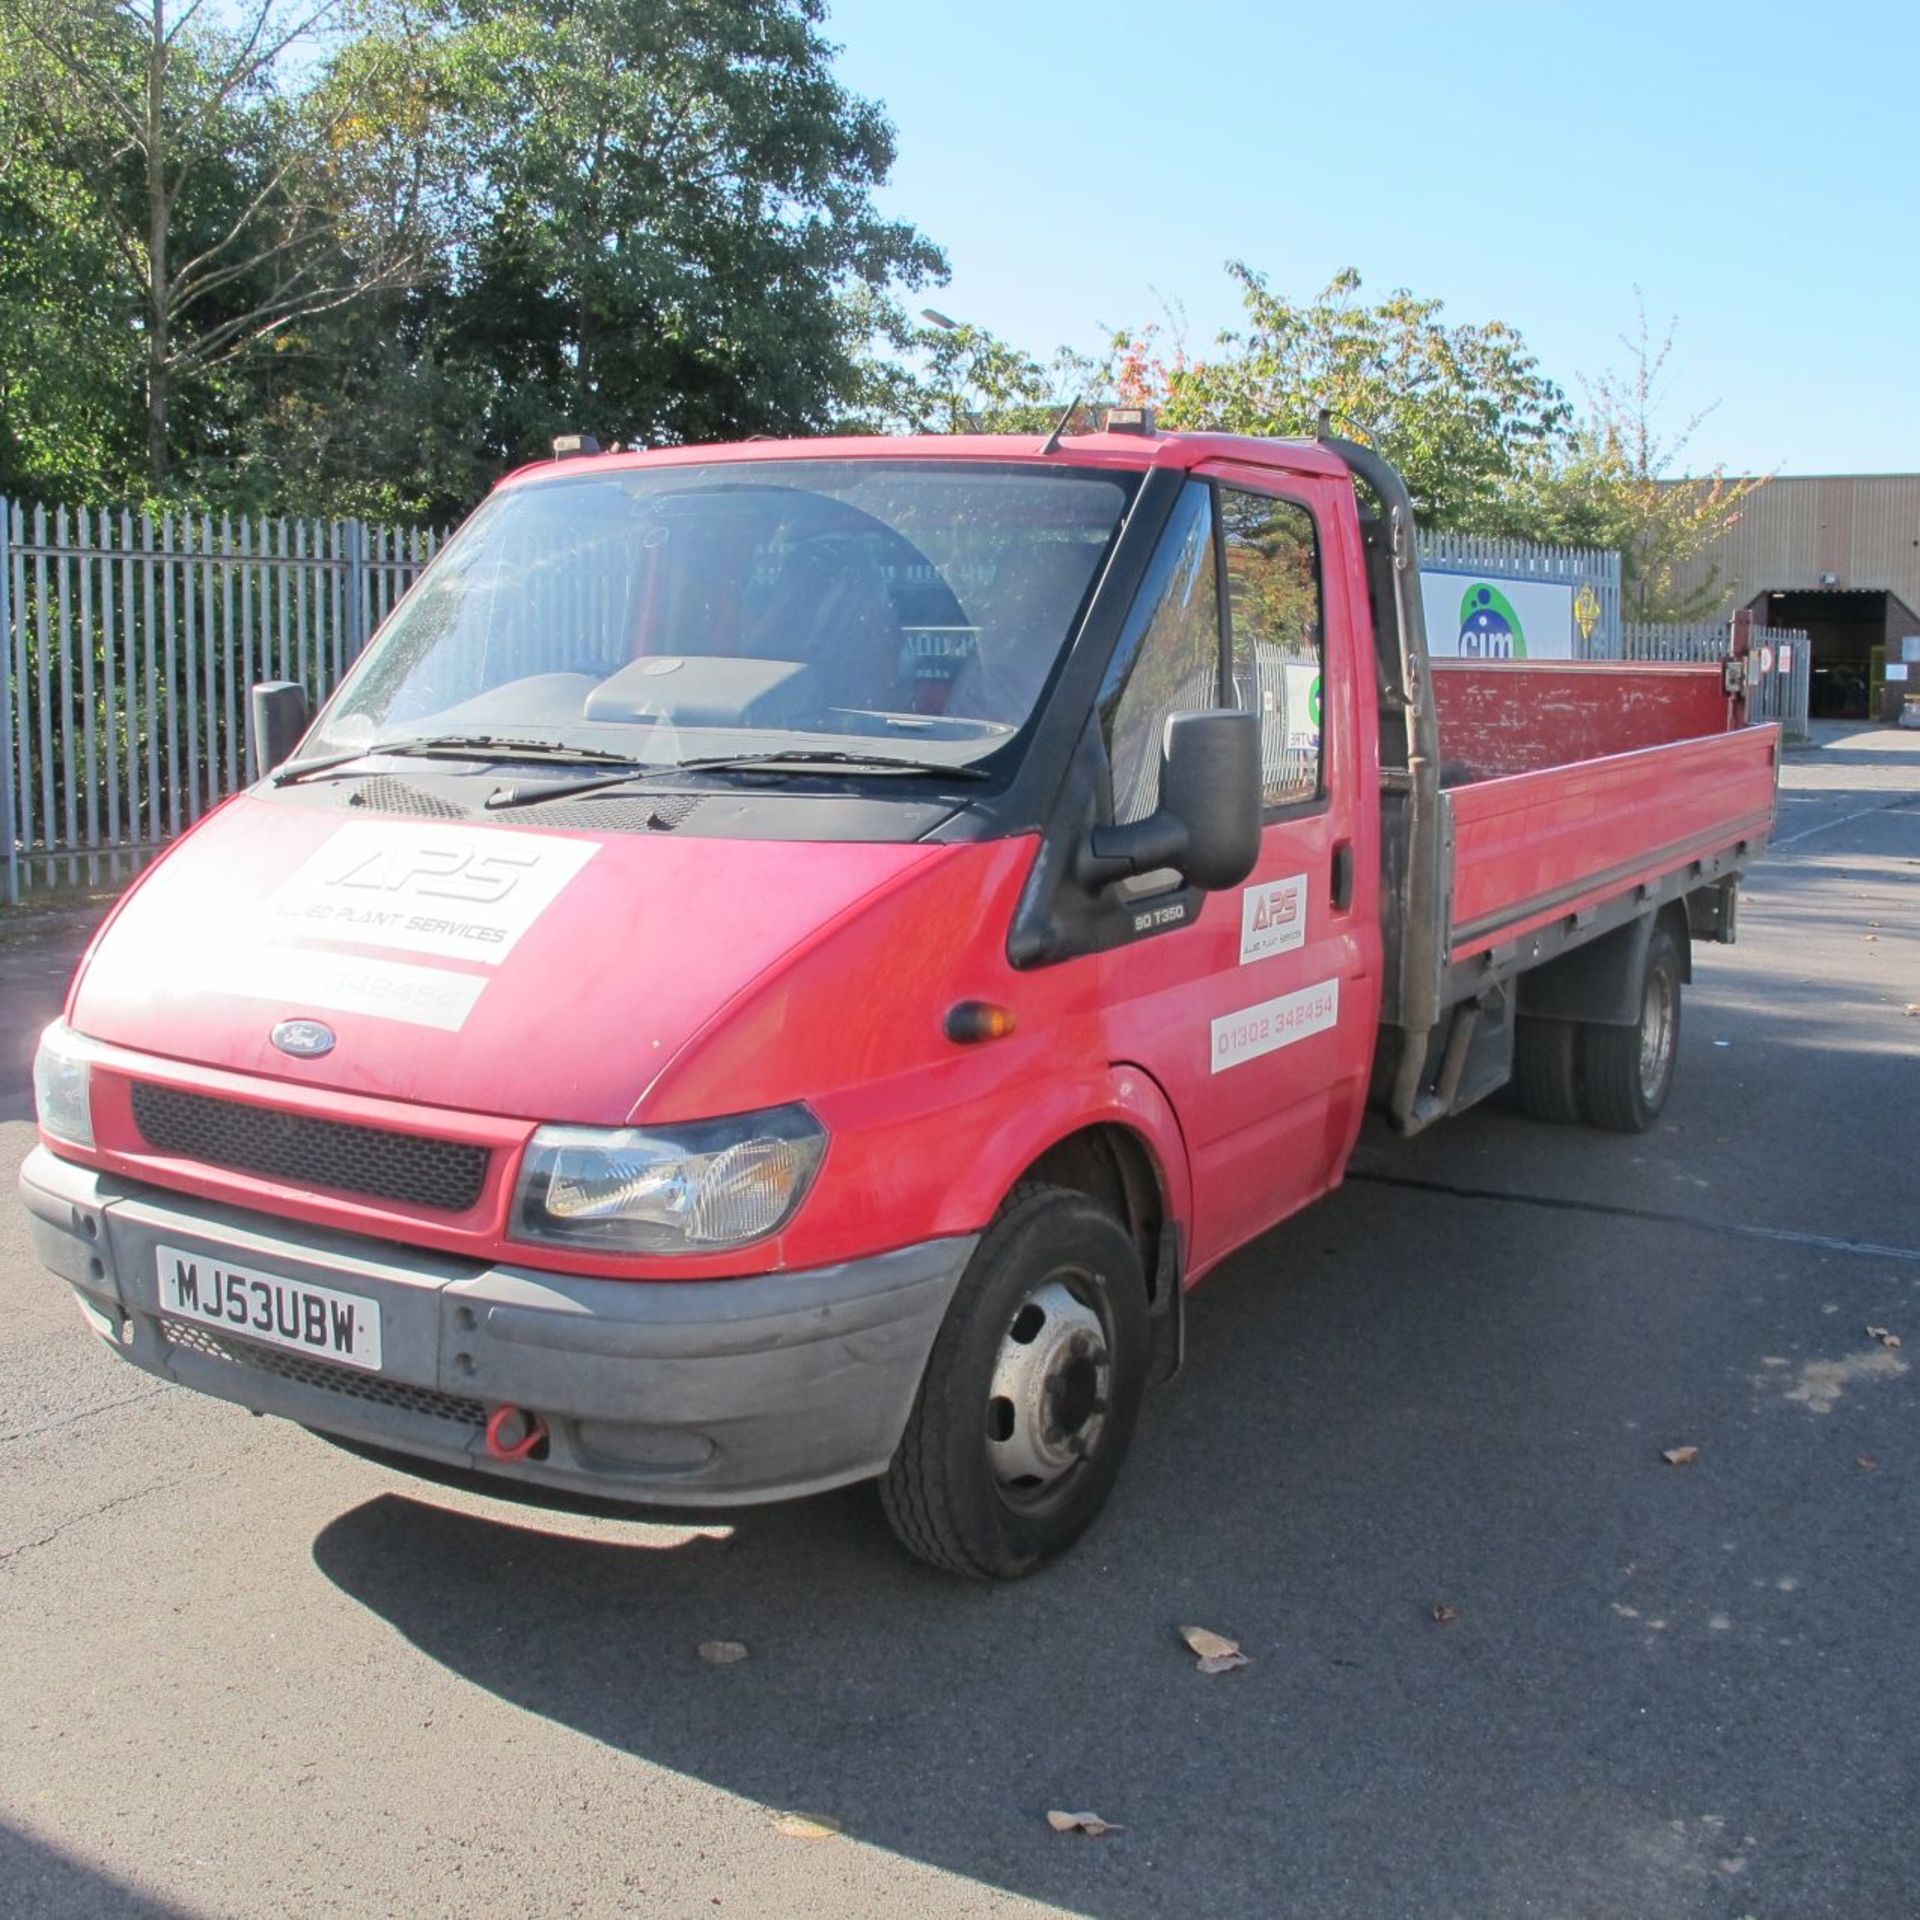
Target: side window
{"x":1168,"y":660}
{"x":1279,"y":648}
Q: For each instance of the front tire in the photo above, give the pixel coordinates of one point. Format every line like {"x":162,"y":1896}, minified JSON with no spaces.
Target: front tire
{"x":1031,"y":1392}
{"x":1626,"y":1073}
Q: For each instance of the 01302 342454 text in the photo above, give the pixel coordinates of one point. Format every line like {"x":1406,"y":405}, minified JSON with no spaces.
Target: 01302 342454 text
{"x":1246,"y":1035}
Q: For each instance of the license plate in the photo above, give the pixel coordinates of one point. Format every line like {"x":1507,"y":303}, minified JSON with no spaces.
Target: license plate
{"x":321,"y":1321}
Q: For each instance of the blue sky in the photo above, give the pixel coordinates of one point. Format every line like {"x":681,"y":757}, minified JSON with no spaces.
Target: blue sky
{"x":1753,"y":169}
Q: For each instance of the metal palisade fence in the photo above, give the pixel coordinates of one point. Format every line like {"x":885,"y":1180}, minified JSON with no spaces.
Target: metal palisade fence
{"x":129,"y":645}
{"x":1782,"y":663}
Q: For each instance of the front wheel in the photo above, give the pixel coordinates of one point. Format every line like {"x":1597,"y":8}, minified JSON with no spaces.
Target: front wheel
{"x":1031,"y":1392}
{"x":1626,"y":1073}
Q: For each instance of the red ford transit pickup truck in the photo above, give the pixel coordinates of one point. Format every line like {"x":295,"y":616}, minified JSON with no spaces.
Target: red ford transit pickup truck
{"x":782,"y":964}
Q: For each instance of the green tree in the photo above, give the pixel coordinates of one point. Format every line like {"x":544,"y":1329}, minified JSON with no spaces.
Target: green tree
{"x":672,"y":207}
{"x":1458,"y":409}
{"x":69,"y":354}
{"x":365,"y":261}
{"x":236,"y":207}
{"x":1619,"y":481}
{"x":951,"y":376}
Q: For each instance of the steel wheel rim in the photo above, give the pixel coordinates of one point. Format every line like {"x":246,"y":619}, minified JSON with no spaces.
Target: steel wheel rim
{"x":1656,"y":1034}
{"x":1049,"y":1399}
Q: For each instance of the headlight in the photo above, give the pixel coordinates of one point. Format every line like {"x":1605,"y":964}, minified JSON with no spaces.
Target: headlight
{"x":63,"y":1085}
{"x":719,"y":1183}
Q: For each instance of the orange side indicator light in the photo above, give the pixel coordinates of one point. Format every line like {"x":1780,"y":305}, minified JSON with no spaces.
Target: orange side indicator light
{"x":972,"y":1020}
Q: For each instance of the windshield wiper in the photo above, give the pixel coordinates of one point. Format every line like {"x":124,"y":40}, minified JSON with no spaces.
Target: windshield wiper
{"x":834,"y":757}
{"x":468,"y":746}
{"x":798,"y":758}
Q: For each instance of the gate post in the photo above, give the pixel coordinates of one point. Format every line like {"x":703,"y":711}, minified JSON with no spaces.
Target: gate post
{"x":9,"y":817}
{"x":356,"y":586}
{"x":1740,"y":646}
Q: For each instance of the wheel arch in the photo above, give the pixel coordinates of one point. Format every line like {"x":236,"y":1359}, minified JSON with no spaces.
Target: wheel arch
{"x":1113,"y":1164}
{"x":1599,"y":984}
{"x":1675,"y":918}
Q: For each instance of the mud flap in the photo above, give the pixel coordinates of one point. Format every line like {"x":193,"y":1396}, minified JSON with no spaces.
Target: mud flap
{"x":1167,"y":1312}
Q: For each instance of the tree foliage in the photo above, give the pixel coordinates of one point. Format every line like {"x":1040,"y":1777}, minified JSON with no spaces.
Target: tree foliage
{"x":1619,"y":481}
{"x":360,"y":256}
{"x":1457,"y":408}
{"x":69,"y":359}
{"x":951,"y":376}
{"x":672,"y":200}
{"x":367,"y":264}
{"x":233,"y":208}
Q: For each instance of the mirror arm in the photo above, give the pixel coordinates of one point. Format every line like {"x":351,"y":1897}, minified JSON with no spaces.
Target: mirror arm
{"x":1142,"y":846}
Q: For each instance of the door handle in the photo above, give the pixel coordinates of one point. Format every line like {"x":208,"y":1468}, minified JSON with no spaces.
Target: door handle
{"x":1342,"y":877}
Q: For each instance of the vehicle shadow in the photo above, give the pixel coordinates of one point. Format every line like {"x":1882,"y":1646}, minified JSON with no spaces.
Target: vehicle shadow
{"x":50,"y":1884}
{"x":1338,"y":1460}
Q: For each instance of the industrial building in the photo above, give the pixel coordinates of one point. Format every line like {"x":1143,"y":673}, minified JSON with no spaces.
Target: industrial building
{"x":1837,"y":556}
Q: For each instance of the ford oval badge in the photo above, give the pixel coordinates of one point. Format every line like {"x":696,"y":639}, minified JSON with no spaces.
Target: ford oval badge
{"x":304,"y":1039}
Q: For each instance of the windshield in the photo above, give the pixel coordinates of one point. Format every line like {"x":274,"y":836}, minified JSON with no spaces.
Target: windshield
{"x":907,"y":609}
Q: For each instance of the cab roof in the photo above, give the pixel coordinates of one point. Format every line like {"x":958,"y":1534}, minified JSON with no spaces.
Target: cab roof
{"x":1132,"y":451}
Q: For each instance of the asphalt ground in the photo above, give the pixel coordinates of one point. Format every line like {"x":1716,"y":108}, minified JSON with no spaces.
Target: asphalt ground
{"x":243,"y":1673}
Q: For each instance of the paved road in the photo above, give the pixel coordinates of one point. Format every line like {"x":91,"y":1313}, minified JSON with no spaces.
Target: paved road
{"x":242,"y":1673}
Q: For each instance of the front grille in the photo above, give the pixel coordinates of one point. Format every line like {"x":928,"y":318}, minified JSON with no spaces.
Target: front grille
{"x":374,"y":1161}
{"x":317,"y":1373}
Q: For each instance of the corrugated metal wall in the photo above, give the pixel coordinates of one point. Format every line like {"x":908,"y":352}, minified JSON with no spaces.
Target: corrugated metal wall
{"x":1863,"y":527}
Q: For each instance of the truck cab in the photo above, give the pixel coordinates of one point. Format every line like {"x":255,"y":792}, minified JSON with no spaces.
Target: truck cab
{"x":782,"y":964}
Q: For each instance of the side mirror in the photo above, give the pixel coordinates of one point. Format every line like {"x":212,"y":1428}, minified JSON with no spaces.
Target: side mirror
{"x":280,"y":716}
{"x":1207,"y":827}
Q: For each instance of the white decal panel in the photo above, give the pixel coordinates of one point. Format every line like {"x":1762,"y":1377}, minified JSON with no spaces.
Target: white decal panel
{"x":1273,"y":917}
{"x":465,"y":893}
{"x":345,"y":983}
{"x":1246,"y":1035}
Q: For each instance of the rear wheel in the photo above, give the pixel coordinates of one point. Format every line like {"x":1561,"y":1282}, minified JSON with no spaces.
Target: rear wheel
{"x":1546,"y":1069}
{"x":1030,"y":1394}
{"x":1626,"y":1072}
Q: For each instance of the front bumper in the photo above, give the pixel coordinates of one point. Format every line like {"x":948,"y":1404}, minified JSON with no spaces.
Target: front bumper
{"x":715,"y":1392}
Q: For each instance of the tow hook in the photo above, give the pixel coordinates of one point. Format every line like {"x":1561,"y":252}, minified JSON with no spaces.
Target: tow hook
{"x":514,"y":1434}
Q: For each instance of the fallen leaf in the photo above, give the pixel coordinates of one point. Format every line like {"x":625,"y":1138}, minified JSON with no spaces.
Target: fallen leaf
{"x":1680,"y":1456}
{"x":1081,"y":1823}
{"x":1912,"y":1008}
{"x":1444,"y":1613}
{"x":1868,"y":1463}
{"x":1204,"y":1642}
{"x":1885,"y":1338}
{"x":1217,"y":1654}
{"x":722,"y":1653}
{"x":806,"y":1826}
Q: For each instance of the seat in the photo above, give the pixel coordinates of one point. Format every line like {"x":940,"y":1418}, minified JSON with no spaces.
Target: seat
{"x":829,"y":609}
{"x":1021,"y":618}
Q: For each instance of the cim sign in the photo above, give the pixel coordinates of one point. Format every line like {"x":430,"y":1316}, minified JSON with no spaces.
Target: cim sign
{"x":1472,"y":616}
